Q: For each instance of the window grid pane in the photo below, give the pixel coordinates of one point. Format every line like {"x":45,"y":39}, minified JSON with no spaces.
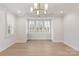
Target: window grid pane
{"x":39,"y":26}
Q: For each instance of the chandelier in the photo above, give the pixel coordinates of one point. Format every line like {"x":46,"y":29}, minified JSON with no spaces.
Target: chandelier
{"x":39,"y":9}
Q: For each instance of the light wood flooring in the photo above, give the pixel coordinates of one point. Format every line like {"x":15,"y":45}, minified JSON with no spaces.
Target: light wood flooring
{"x":39,"y":48}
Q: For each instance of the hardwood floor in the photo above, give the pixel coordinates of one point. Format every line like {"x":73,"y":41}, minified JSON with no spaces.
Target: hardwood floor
{"x":39,"y":48}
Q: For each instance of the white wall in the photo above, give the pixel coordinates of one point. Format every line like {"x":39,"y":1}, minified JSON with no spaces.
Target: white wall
{"x":71,"y":30}
{"x":39,"y":36}
{"x":5,"y":41}
{"x":57,"y":28}
{"x":21,"y":29}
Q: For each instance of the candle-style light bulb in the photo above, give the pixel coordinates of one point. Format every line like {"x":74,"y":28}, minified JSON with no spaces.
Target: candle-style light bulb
{"x":46,"y":6}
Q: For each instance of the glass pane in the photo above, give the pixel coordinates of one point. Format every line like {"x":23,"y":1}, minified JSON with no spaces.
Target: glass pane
{"x":39,"y":26}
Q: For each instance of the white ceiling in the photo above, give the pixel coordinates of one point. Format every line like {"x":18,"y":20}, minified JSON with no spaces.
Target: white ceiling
{"x":53,"y":8}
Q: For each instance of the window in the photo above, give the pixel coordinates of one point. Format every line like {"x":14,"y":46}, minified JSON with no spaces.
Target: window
{"x":10,"y":24}
{"x":39,"y":26}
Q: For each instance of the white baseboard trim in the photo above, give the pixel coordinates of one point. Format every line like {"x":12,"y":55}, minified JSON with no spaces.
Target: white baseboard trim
{"x":6,"y":47}
{"x":76,"y":49}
